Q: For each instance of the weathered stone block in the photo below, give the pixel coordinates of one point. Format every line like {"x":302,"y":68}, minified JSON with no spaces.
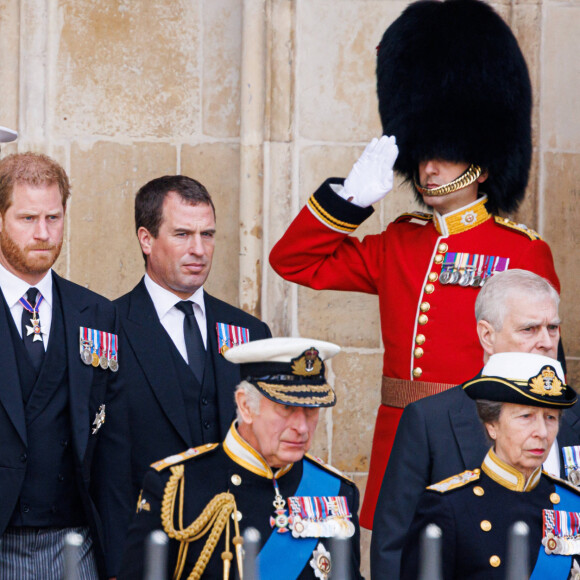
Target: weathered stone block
{"x":357,"y":385}
{"x":217,"y":166}
{"x":104,"y":251}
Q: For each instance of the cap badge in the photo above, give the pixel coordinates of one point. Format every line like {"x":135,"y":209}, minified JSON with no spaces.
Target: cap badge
{"x":307,"y":364}
{"x":546,"y":383}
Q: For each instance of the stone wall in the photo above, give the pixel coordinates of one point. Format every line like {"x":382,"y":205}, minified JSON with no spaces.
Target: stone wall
{"x":260,"y":100}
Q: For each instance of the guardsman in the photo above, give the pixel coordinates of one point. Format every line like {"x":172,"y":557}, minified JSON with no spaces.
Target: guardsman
{"x":260,"y":476}
{"x":520,"y":399}
{"x":454,"y":91}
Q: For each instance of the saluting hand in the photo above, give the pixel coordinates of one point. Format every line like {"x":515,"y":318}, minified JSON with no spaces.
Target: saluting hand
{"x":371,"y":177}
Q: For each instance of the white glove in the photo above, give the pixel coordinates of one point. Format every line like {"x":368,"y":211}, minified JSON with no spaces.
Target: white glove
{"x":371,"y":177}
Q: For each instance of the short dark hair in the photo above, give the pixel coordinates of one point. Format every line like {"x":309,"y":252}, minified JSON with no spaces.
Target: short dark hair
{"x":33,"y":169}
{"x":149,"y":199}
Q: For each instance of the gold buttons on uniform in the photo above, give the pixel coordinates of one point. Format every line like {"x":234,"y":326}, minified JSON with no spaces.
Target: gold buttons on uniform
{"x":423,"y":319}
{"x":554,"y":498}
{"x":424,"y":307}
{"x":417,"y":372}
{"x":418,"y":352}
{"x":420,"y":339}
{"x":478,"y":490}
{"x":495,"y":561}
{"x":433,"y":277}
{"x":438,"y":259}
{"x":442,"y":247}
{"x":236,"y":479}
{"x":485,"y":525}
{"x":429,"y":288}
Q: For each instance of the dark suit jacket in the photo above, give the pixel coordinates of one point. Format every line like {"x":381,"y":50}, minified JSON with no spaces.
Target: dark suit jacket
{"x":100,"y":459}
{"x":157,"y":417}
{"x":437,"y":437}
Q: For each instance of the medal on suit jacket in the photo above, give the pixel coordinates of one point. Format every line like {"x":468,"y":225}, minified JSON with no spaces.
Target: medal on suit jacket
{"x":281,"y":520}
{"x":99,"y":348}
{"x":561,"y":532}
{"x":35,"y":328}
{"x":321,"y":562}
{"x":99,"y":419}
{"x":229,"y":335}
{"x":320,"y":517}
{"x":572,"y":464}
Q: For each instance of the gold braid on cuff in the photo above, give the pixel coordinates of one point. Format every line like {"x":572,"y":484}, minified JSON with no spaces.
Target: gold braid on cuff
{"x":467,"y":178}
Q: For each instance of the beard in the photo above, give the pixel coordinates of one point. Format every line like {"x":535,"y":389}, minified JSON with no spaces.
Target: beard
{"x":23,"y":261}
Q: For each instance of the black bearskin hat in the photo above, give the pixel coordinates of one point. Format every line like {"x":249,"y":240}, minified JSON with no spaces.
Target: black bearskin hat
{"x":453,"y":84}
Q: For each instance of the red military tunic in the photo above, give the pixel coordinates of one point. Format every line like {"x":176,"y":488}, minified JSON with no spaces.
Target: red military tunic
{"x":428,"y":329}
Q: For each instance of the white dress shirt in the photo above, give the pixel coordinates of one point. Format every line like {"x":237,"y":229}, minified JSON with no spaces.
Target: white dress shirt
{"x":171,"y":318}
{"x":14,"y":288}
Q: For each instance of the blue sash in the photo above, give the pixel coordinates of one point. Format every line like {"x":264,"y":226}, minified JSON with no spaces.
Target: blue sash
{"x":284,"y":556}
{"x":554,"y":566}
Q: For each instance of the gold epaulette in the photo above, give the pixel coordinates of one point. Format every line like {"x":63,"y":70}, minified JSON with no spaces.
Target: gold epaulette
{"x":327,"y":467}
{"x":521,"y":228}
{"x":419,"y":215}
{"x":192,"y":452}
{"x":456,"y":481}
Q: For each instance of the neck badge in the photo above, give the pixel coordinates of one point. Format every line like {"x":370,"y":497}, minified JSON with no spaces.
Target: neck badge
{"x":35,"y":328}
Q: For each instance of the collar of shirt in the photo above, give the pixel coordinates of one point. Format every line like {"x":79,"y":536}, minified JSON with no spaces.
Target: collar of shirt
{"x":508,"y":476}
{"x":462,"y":219}
{"x":245,"y":455}
{"x":164,"y":300}
{"x":14,"y":288}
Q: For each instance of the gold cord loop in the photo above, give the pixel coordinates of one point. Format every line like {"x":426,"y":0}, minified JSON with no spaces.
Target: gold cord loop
{"x":469,"y":176}
{"x":213,"y":519}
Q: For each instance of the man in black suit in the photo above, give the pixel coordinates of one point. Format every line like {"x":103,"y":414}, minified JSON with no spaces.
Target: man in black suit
{"x":439,"y":436}
{"x":180,"y":387}
{"x":62,"y":467}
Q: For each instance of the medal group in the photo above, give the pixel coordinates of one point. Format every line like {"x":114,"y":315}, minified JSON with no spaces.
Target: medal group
{"x":99,"y":348}
{"x":470,"y":269}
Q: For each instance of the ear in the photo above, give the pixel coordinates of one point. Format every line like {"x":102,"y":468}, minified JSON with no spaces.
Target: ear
{"x":491,"y":431}
{"x":484,"y":175}
{"x":486,"y":334}
{"x":242,"y":404}
{"x":145,"y":240}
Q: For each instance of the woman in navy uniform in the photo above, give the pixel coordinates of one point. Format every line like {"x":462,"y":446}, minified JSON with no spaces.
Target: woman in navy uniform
{"x":520,"y":398}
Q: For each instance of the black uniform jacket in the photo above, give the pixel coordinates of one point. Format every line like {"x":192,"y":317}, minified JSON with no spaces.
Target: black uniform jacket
{"x":157,"y":415}
{"x":437,"y":437}
{"x":101,"y":459}
{"x":208,"y":471}
{"x":475,"y":511}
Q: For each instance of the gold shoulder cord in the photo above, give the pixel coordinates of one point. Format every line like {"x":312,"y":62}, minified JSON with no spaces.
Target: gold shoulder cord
{"x":214,"y":517}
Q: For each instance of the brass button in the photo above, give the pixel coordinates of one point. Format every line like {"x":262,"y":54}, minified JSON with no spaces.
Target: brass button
{"x":237,"y":516}
{"x":417,"y":372}
{"x":442,"y":247}
{"x":423,"y":319}
{"x":438,"y":259}
{"x":554,"y":498}
{"x":429,"y":289}
{"x":418,"y":352}
{"x":495,"y":561}
{"x":485,"y":525}
{"x":424,"y":306}
{"x":478,"y":490}
{"x":420,"y":339}
{"x":433,"y":276}
{"x":236,"y":479}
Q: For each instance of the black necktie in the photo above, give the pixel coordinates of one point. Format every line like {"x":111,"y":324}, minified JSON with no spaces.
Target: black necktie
{"x":193,"y":341}
{"x":31,"y":334}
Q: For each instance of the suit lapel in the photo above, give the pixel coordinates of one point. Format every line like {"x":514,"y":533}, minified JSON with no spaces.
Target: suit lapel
{"x":80,"y":376}
{"x":149,"y":339}
{"x":226,"y":373}
{"x":10,"y":392}
{"x":472,"y":445}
